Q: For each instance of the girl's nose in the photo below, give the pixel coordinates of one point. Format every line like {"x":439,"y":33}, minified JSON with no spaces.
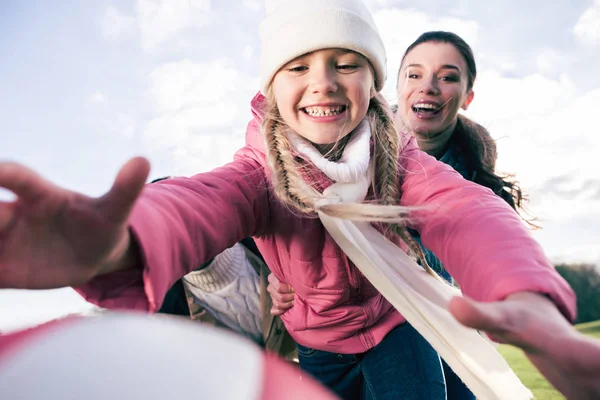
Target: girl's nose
{"x":323,"y":80}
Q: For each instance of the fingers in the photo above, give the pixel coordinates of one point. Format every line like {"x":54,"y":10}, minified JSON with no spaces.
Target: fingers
{"x":8,"y":217}
{"x":280,"y":298}
{"x":22,"y":181}
{"x":128,"y":185}
{"x":276,"y":311}
{"x":488,"y":317}
{"x":278,"y":287}
{"x":282,"y":295}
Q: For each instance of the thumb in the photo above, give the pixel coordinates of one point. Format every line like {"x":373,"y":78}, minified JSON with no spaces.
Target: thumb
{"x":486,"y":317}
{"x":128,"y":185}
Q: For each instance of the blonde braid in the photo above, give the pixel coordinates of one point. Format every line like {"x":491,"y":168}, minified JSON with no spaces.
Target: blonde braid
{"x":385,"y":152}
{"x":288,"y":184}
{"x":387,"y":169}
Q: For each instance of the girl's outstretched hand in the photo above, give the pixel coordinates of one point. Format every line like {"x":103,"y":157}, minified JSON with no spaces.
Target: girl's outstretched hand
{"x":567,"y":358}
{"x":51,"y":237}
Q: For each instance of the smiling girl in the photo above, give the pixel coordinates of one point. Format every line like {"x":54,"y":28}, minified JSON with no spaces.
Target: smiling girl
{"x":323,"y":130}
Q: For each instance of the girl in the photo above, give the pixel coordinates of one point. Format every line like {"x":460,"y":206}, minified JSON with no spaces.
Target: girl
{"x":322,"y":66}
{"x":435,"y":81}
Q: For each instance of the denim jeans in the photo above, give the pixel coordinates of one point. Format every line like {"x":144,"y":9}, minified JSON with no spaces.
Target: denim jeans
{"x":403,"y":366}
{"x":455,"y":388}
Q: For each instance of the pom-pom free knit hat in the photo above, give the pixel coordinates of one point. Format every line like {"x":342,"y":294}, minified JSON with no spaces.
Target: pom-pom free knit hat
{"x":292,"y":28}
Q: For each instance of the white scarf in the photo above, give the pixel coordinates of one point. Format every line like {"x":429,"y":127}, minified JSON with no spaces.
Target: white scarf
{"x":419,"y":297}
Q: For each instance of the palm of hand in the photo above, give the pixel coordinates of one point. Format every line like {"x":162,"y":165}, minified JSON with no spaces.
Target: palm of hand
{"x":52,"y":237}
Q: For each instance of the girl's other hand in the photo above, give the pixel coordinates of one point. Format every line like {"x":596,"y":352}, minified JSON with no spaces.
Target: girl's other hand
{"x":51,"y":237}
{"x":282,"y":295}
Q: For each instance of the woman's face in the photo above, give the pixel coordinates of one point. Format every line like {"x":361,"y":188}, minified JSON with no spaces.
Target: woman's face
{"x":324,"y":95}
{"x":432,"y":87}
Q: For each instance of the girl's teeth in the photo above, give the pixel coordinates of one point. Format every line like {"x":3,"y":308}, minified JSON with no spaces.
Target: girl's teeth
{"x":323,"y":112}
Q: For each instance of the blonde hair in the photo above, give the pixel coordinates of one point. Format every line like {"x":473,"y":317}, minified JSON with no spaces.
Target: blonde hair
{"x":293,"y":191}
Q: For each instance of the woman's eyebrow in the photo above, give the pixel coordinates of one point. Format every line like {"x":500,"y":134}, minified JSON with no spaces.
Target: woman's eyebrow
{"x":451,"y":66}
{"x":445,"y":66}
{"x":413,"y":65}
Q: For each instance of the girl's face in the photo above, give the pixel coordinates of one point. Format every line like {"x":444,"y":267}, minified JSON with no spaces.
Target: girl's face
{"x":324,"y":95}
{"x":432,"y":87}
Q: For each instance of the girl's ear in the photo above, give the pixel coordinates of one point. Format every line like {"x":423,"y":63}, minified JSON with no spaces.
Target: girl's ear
{"x":468,"y":100}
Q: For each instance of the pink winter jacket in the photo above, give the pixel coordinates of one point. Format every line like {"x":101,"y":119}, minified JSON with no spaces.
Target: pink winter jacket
{"x":180,"y":223}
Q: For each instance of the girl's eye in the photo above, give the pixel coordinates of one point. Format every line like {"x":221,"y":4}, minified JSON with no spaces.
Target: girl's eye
{"x":299,"y":68}
{"x":412,"y":76}
{"x":347,"y":67}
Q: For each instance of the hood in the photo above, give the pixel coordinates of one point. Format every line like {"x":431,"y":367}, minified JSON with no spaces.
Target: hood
{"x":254,"y":136}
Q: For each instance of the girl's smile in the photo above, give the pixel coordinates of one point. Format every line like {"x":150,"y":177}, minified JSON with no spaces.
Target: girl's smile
{"x":324,"y":95}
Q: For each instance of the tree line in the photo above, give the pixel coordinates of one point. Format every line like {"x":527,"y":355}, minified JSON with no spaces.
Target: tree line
{"x":585,"y":281}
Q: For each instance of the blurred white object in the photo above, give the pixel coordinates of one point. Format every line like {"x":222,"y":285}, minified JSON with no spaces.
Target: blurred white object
{"x":131,"y":356}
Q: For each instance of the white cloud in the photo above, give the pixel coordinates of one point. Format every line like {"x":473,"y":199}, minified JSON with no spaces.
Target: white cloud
{"x":400,"y":27}
{"x":97,"y":97}
{"x":551,"y":61}
{"x":253,"y":5}
{"x":587,"y":28}
{"x":248,"y":53}
{"x":116,"y":25}
{"x":202,"y":110}
{"x":542,"y":127}
{"x":185,"y":84}
{"x":160,"y":21}
{"x":127,"y":126}
{"x":517,"y":97}
{"x":587,"y":253}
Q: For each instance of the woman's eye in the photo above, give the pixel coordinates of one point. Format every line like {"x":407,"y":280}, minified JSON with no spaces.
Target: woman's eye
{"x":450,"y":78}
{"x":412,"y":76}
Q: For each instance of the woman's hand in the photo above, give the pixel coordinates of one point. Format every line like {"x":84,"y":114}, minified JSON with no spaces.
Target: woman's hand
{"x":282,"y":295}
{"x":51,"y":237}
{"x":530,"y":321}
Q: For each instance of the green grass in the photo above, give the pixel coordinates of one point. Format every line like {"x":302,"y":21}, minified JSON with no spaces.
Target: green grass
{"x":528,"y":374}
{"x":530,"y":377}
{"x":590,"y":328}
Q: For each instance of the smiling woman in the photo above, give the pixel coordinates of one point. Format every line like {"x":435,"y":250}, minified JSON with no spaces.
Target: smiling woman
{"x":435,"y":81}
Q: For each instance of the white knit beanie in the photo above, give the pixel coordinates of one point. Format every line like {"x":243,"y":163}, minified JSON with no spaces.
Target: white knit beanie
{"x":292,"y":28}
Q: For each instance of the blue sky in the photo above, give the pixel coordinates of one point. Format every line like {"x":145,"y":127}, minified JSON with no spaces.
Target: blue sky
{"x":85,"y":85}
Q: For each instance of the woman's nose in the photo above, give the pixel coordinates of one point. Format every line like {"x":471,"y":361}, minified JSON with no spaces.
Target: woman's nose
{"x":430,"y":86}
